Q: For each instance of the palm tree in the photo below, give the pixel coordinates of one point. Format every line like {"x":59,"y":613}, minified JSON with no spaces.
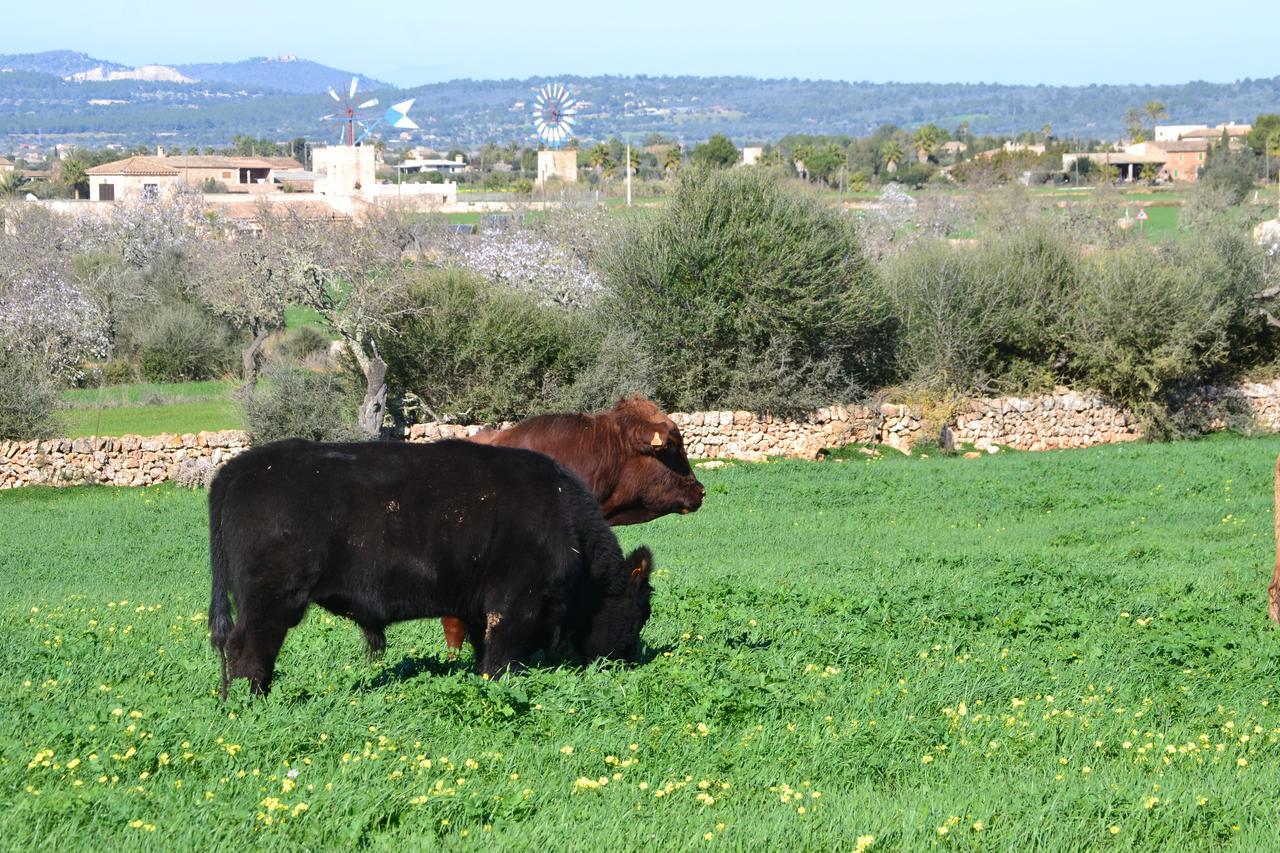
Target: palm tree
{"x":1133,"y":123}
{"x":891,"y":153}
{"x":672,"y":158}
{"x":74,"y":178}
{"x":926,"y":140}
{"x":1155,"y":111}
{"x":11,"y":182}
{"x":598,"y":157}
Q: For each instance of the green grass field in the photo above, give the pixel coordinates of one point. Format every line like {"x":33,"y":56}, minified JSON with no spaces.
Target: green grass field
{"x":1027,"y":651}
{"x":151,"y":419}
{"x":150,"y":408}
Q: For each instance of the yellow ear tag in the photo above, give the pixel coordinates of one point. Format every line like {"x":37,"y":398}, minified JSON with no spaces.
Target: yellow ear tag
{"x":657,"y":440}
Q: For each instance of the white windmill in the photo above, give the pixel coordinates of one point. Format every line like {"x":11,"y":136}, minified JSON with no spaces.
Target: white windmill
{"x":554,"y":112}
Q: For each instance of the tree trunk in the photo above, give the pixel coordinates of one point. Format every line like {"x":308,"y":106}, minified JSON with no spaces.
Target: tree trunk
{"x":251,"y":359}
{"x":375,"y":397}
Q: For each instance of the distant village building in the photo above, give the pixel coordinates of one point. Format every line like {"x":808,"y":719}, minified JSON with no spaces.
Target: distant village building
{"x":132,"y":177}
{"x":1011,"y":147}
{"x":1235,"y":134}
{"x":1173,"y":132}
{"x":432,"y":164}
{"x":342,"y":184}
{"x":751,"y":155}
{"x":122,"y":179}
{"x":1179,"y":158}
{"x":954,"y":147}
{"x":5,"y":166}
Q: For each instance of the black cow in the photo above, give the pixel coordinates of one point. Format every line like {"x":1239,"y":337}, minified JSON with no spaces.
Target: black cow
{"x":506,"y":540}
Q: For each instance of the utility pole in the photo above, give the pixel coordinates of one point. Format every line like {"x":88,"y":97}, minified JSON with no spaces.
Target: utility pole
{"x":628,"y":174}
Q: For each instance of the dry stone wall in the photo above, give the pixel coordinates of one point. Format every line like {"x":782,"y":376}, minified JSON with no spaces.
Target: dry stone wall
{"x":1063,"y":419}
{"x":128,"y":460}
{"x":1047,"y":422}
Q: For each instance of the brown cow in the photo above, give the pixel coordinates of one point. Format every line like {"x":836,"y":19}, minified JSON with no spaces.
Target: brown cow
{"x":631,"y":458}
{"x":1273,"y":592}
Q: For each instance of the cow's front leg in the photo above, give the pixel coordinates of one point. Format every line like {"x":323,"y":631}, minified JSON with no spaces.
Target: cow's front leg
{"x":1273,"y":595}
{"x":375,"y":642}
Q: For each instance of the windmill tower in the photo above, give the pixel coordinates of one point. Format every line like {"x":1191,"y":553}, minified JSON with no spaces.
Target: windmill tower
{"x":553,"y":116}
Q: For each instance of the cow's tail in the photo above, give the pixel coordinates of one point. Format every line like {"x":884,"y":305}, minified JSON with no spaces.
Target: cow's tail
{"x":219,"y":602}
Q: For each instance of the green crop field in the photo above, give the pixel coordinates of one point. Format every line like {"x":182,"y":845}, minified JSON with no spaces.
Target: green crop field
{"x":216,"y":414}
{"x":150,"y":408}
{"x":1025,"y":651}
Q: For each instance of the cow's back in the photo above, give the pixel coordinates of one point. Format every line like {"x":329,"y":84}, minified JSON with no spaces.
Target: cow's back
{"x":405,"y":522}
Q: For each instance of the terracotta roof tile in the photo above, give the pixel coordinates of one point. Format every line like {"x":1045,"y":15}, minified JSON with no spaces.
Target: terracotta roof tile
{"x":137,"y":166}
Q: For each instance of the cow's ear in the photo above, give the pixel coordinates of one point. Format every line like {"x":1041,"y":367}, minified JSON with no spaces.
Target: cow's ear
{"x":639,"y":563}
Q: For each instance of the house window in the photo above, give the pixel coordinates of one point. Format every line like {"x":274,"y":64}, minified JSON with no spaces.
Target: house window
{"x":1199,"y":156}
{"x":150,"y":190}
{"x":106,"y":192}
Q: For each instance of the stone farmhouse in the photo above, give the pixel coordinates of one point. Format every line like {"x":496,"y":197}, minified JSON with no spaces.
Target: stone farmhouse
{"x":5,"y":166}
{"x":122,"y":179}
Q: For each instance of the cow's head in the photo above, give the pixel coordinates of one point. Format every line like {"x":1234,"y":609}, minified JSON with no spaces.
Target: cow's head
{"x":656,"y":478}
{"x":613,"y":630}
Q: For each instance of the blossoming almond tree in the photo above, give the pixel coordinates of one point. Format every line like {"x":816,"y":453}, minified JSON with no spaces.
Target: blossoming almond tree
{"x":351,"y":273}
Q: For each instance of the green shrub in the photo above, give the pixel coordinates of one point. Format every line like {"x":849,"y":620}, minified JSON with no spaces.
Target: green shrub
{"x":118,"y":371}
{"x":302,"y":342}
{"x":617,"y":365}
{"x":739,"y":266}
{"x":1233,"y":172}
{"x":1139,"y":322}
{"x":182,"y":344}
{"x":480,"y":351}
{"x":28,"y":397}
{"x":1148,"y":321}
{"x":294,"y":403}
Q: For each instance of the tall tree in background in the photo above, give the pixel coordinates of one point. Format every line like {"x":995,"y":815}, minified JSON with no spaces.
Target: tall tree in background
{"x":671,"y":159}
{"x":598,"y":157}
{"x":891,"y":153}
{"x":926,"y":140}
{"x":1155,"y":111}
{"x":718,"y":152}
{"x":73,"y":178}
{"x":1133,"y":123}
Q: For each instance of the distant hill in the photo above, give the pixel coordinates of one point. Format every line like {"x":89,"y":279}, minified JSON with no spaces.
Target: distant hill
{"x":282,"y":98}
{"x":61,"y":63}
{"x":282,"y":73}
{"x":287,"y":73}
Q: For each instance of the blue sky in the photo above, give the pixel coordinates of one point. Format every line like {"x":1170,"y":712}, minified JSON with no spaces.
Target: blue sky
{"x":958,"y":41}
